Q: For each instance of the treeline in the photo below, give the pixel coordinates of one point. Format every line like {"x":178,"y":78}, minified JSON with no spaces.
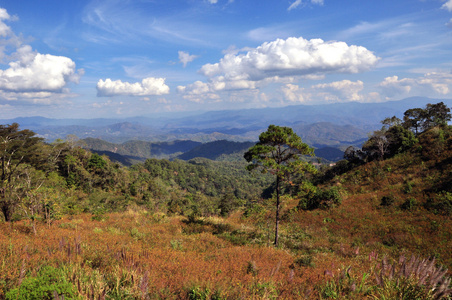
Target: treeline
{"x":42,"y":181}
{"x":424,"y":130}
{"x":424,"y":139}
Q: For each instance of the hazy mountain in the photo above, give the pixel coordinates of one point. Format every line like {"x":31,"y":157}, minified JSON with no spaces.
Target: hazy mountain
{"x":337,"y":125}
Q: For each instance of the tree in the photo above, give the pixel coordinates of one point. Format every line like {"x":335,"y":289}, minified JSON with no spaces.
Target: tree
{"x":413,"y":119}
{"x":436,"y":115}
{"x":433,"y":115}
{"x":17,"y":147}
{"x":278,"y":152}
{"x":377,"y":145}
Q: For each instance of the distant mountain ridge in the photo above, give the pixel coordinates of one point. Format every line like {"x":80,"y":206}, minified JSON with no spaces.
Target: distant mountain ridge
{"x":141,"y":149}
{"x":337,"y":125}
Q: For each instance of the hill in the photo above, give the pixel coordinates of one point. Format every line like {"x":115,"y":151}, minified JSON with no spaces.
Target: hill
{"x":141,"y":150}
{"x":215,"y":150}
{"x":374,"y":226}
{"x":391,"y":229}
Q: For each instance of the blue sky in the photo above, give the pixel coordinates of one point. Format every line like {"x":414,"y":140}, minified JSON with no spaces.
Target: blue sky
{"x":119,"y":58}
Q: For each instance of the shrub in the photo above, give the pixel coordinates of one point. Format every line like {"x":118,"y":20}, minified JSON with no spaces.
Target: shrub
{"x":304,"y":261}
{"x":321,"y":198}
{"x":387,"y":201}
{"x":409,"y":204}
{"x":48,"y":283}
{"x":197,"y":293}
{"x":441,"y":204}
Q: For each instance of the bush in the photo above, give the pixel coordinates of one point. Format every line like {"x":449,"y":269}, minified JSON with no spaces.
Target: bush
{"x":324,"y":199}
{"x":387,"y":201}
{"x":304,"y":261}
{"x":409,"y":204}
{"x":440,"y":204}
{"x":48,"y":283}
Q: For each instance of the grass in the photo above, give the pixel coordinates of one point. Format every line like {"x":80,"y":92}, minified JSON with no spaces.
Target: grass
{"x":336,"y":253}
{"x":136,"y":255}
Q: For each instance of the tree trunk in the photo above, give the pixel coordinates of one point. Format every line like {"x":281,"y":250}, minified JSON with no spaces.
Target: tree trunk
{"x":277,"y":210}
{"x":6,"y":210}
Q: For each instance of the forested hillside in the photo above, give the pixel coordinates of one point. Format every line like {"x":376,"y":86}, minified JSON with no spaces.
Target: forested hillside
{"x":377,"y":225}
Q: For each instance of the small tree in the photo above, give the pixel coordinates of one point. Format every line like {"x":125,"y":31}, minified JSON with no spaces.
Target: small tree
{"x":278,"y":152}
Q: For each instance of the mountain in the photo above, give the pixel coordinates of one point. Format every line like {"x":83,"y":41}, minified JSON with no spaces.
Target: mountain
{"x":338,"y":124}
{"x":139,"y":150}
{"x":329,"y":153}
{"x":214,"y":150}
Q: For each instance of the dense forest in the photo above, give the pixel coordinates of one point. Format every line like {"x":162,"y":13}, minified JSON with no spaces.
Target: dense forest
{"x":376,"y":225}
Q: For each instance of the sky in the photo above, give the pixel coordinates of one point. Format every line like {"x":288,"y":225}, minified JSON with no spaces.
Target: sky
{"x":125,"y":58}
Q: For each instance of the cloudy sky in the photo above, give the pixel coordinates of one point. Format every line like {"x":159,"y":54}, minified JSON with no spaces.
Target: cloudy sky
{"x":121,"y":58}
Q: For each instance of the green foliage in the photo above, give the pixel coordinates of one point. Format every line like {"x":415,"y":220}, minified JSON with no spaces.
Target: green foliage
{"x":345,"y":286}
{"x":45,"y":285}
{"x":320,"y":198}
{"x":409,"y":204}
{"x":304,"y":261}
{"x":96,"y":162}
{"x":441,"y":203}
{"x":17,"y":148}
{"x":278,"y":152}
{"x":198,"y":293}
{"x":228,"y":203}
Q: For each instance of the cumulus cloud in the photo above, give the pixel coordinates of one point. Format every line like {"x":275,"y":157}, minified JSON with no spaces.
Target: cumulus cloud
{"x":30,"y":75}
{"x":339,"y":91}
{"x":185,"y":58}
{"x":147,"y":87}
{"x":280,"y":61}
{"x":447,"y":5}
{"x":292,"y":57}
{"x":38,"y":72}
{"x":294,"y":93}
{"x":431,"y":84}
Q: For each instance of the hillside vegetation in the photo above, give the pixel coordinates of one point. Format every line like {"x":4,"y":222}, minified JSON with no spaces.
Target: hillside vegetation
{"x":375,"y":226}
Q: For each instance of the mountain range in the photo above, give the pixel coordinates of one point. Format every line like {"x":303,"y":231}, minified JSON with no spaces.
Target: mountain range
{"x":330,"y":126}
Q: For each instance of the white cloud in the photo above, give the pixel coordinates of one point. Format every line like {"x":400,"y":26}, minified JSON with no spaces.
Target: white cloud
{"x":292,"y":57}
{"x":294,"y":93}
{"x":281,"y":61}
{"x":431,"y":84}
{"x":32,"y":76}
{"x":300,"y":2}
{"x":38,"y":72}
{"x":5,"y":30}
{"x":185,"y":58}
{"x":212,"y":1}
{"x":447,"y":5}
{"x":147,"y":87}
{"x":449,"y":24}
{"x":340,"y":91}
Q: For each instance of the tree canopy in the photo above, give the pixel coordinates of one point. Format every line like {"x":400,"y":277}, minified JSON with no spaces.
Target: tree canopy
{"x":17,"y":147}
